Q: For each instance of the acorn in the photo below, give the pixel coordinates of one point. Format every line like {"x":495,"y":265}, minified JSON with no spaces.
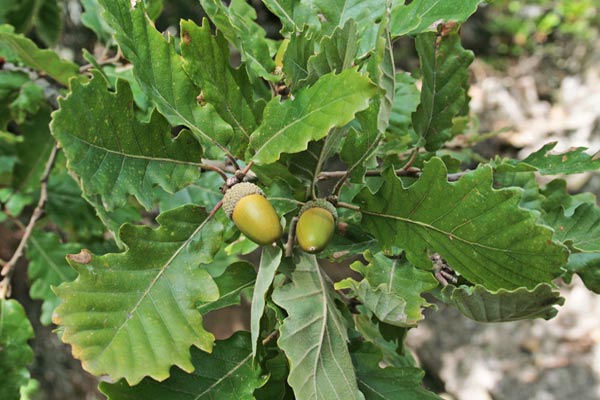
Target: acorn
{"x":316,"y":225}
{"x":246,"y":204}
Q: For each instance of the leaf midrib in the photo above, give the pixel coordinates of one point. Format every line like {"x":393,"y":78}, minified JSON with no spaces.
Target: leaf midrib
{"x":136,"y":156}
{"x":152,"y":283}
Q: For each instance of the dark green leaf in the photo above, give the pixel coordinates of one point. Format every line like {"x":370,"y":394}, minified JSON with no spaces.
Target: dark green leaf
{"x":481,"y":232}
{"x":238,"y":24}
{"x":580,"y":231}
{"x":314,"y":336}
{"x":206,"y":60}
{"x":288,"y":126}
{"x":391,"y":289}
{"x":587,"y":266}
{"x":17,"y":48}
{"x":48,"y":267}
{"x":15,"y":353}
{"x":159,"y":70}
{"x":227,"y":373}
{"x":336,"y":52}
{"x":444,"y":65}
{"x":236,"y":278}
{"x":43,"y":15}
{"x":480,"y":304}
{"x":134,"y":314}
{"x":388,"y":383}
{"x":113,"y":154}
{"x":571,"y":162}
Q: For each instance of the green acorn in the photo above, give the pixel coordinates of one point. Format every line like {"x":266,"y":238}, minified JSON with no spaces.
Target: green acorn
{"x":316,"y":225}
{"x":246,"y":204}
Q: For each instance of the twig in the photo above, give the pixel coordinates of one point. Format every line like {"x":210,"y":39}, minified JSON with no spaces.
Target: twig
{"x":411,"y":160}
{"x":214,"y":168}
{"x":289,"y":245}
{"x":410,"y":172}
{"x":38,"y":212}
{"x":271,"y":336}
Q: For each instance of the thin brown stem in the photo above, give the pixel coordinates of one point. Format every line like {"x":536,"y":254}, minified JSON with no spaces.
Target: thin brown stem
{"x":214,"y":168}
{"x":38,"y":212}
{"x":289,"y":245}
{"x":411,"y":160}
{"x":271,"y":336}
{"x":410,"y":172}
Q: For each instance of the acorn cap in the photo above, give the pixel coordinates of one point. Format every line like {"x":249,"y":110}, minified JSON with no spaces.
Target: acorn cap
{"x":236,"y":192}
{"x":321,"y":203}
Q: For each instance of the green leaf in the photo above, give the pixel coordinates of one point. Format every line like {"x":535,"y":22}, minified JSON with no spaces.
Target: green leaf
{"x":269,"y":261}
{"x":67,"y":209}
{"x":113,"y":154}
{"x":17,"y":48}
{"x":336,"y":52}
{"x":580,"y":231}
{"x":288,"y":126}
{"x":406,"y":101}
{"x":298,"y":50}
{"x":571,"y":162}
{"x":314,"y":336}
{"x":15,"y":353}
{"x":444,"y":65}
{"x":205,"y":192}
{"x":33,"y":152}
{"x":480,"y":304}
{"x":425,"y":15}
{"x":134,"y":314}
{"x":481,"y":232}
{"x":43,"y":15}
{"x":389,"y":383}
{"x":237,"y":278}
{"x":238,"y":24}
{"x":227,"y":373}
{"x":28,"y":102}
{"x":324,"y":16}
{"x":587,"y":266}
{"x":206,"y":60}
{"x":159,"y":71}
{"x":93,"y":19}
{"x":48,"y":267}
{"x":391,"y":289}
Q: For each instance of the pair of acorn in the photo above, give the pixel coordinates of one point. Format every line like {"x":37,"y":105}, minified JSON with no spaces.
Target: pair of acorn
{"x":246,"y":204}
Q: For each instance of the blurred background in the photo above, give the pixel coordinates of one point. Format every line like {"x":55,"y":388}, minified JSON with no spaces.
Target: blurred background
{"x":535,"y":79}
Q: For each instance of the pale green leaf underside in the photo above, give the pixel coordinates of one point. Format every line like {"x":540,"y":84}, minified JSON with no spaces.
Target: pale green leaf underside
{"x":15,"y":353}
{"x":17,"y":48}
{"x":227,"y":373}
{"x":160,"y":73}
{"x":113,"y":154}
{"x":314,"y":337}
{"x":134,"y":314}
{"x":269,"y":261}
{"x":424,"y":15}
{"x":483,"y":305}
{"x":47,"y":267}
{"x":288,"y":126}
{"x":391,"y":289}
{"x":481,"y":232}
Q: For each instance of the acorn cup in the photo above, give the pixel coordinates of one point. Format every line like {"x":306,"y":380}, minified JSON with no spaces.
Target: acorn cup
{"x":246,"y":205}
{"x":316,"y":225}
